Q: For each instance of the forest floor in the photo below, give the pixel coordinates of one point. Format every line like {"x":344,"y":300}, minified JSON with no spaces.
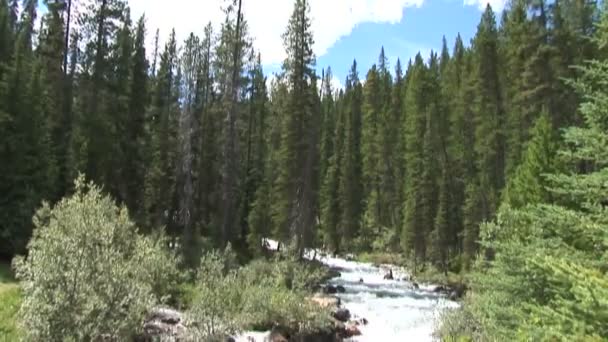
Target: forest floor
{"x":10,"y":300}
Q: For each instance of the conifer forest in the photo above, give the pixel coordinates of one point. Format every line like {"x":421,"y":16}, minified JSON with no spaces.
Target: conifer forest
{"x":486,"y":161}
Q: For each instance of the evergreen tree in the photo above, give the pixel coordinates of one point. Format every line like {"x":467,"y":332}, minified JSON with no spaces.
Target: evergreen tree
{"x":489,"y":123}
{"x":162,"y":126}
{"x":294,"y":208}
{"x":257,"y":155}
{"x":134,"y":149}
{"x":350,"y":188}
{"x":27,"y":161}
{"x":370,"y":150}
{"x":528,"y":183}
{"x":442,"y":229}
{"x":415,"y":213}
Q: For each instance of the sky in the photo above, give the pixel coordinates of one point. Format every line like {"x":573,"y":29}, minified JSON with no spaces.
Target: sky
{"x":343,"y":29}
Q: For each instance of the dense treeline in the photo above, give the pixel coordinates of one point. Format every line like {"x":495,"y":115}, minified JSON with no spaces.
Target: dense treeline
{"x":420,"y":158}
{"x":191,"y":137}
{"x":546,"y":277}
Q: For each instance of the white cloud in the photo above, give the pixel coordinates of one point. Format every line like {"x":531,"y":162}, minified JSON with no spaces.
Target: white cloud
{"x":332,"y":19}
{"x":497,"y":5}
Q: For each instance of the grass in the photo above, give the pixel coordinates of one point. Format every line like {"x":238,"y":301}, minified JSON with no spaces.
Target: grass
{"x":10,"y":300}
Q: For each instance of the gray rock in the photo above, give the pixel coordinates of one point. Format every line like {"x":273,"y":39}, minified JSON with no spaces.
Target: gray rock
{"x":164,"y":325}
{"x":342,"y":315}
{"x":330,"y":289}
{"x":165,"y":315}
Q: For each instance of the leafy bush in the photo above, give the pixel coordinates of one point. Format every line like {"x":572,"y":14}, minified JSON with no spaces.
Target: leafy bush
{"x":261,"y":295}
{"x":217,"y":303}
{"x":88,"y":274}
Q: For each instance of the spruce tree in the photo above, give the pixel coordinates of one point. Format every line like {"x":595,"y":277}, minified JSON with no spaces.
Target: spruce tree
{"x":371,"y":152}
{"x":416,"y":219}
{"x":489,"y":135}
{"x":294,"y":209}
{"x":528,"y":183}
{"x":350,"y":190}
{"x":162,"y":130}
{"x":135,"y":161}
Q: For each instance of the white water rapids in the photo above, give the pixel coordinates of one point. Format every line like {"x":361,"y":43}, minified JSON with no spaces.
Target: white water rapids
{"x":394,"y":309}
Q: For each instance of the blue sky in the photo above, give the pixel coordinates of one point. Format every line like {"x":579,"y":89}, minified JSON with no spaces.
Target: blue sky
{"x":421,"y":29}
{"x":343,"y":29}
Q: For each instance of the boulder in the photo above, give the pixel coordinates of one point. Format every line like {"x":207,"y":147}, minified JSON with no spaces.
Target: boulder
{"x":165,"y":315}
{"x":340,"y":289}
{"x":330,"y":289}
{"x":439,"y":289}
{"x":164,"y":325}
{"x":342,"y":315}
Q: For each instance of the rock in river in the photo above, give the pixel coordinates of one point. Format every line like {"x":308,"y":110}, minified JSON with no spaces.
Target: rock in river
{"x":342,"y":315}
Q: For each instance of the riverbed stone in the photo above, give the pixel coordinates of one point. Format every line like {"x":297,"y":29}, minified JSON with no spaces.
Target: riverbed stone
{"x":165,"y":325}
{"x":342,"y":315}
{"x":330,"y":289}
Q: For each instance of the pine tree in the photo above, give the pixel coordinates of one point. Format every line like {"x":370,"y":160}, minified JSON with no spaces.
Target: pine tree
{"x":294,"y":209}
{"x":135,"y":161}
{"x":528,"y":183}
{"x":189,"y":66}
{"x":51,"y":53}
{"x":331,"y":157}
{"x":233,"y":39}
{"x":396,"y":122}
{"x":350,"y":189}
{"x":162,"y":126}
{"x":371,"y":152}
{"x":27,"y":161}
{"x":489,"y":123}
{"x":441,"y":237}
{"x":208,"y":152}
{"x":256,"y":159}
{"x":415,"y":213}
{"x":329,"y":118}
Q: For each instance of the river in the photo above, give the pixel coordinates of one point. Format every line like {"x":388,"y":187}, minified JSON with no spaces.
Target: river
{"x":395,"y":310}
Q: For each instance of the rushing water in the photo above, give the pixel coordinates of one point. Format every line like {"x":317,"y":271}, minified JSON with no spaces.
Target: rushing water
{"x":395,"y":310}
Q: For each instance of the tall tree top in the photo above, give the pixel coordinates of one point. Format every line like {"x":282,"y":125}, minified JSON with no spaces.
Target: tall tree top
{"x":398,"y":72}
{"x":353,"y":76}
{"x":382,"y":62}
{"x":298,"y":41}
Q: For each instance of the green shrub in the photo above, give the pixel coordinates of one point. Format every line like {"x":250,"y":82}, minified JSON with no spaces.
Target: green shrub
{"x":88,"y":274}
{"x":216,"y":306}
{"x":261,"y":295}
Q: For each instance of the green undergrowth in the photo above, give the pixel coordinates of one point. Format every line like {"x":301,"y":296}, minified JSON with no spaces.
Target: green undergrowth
{"x":10,"y":300}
